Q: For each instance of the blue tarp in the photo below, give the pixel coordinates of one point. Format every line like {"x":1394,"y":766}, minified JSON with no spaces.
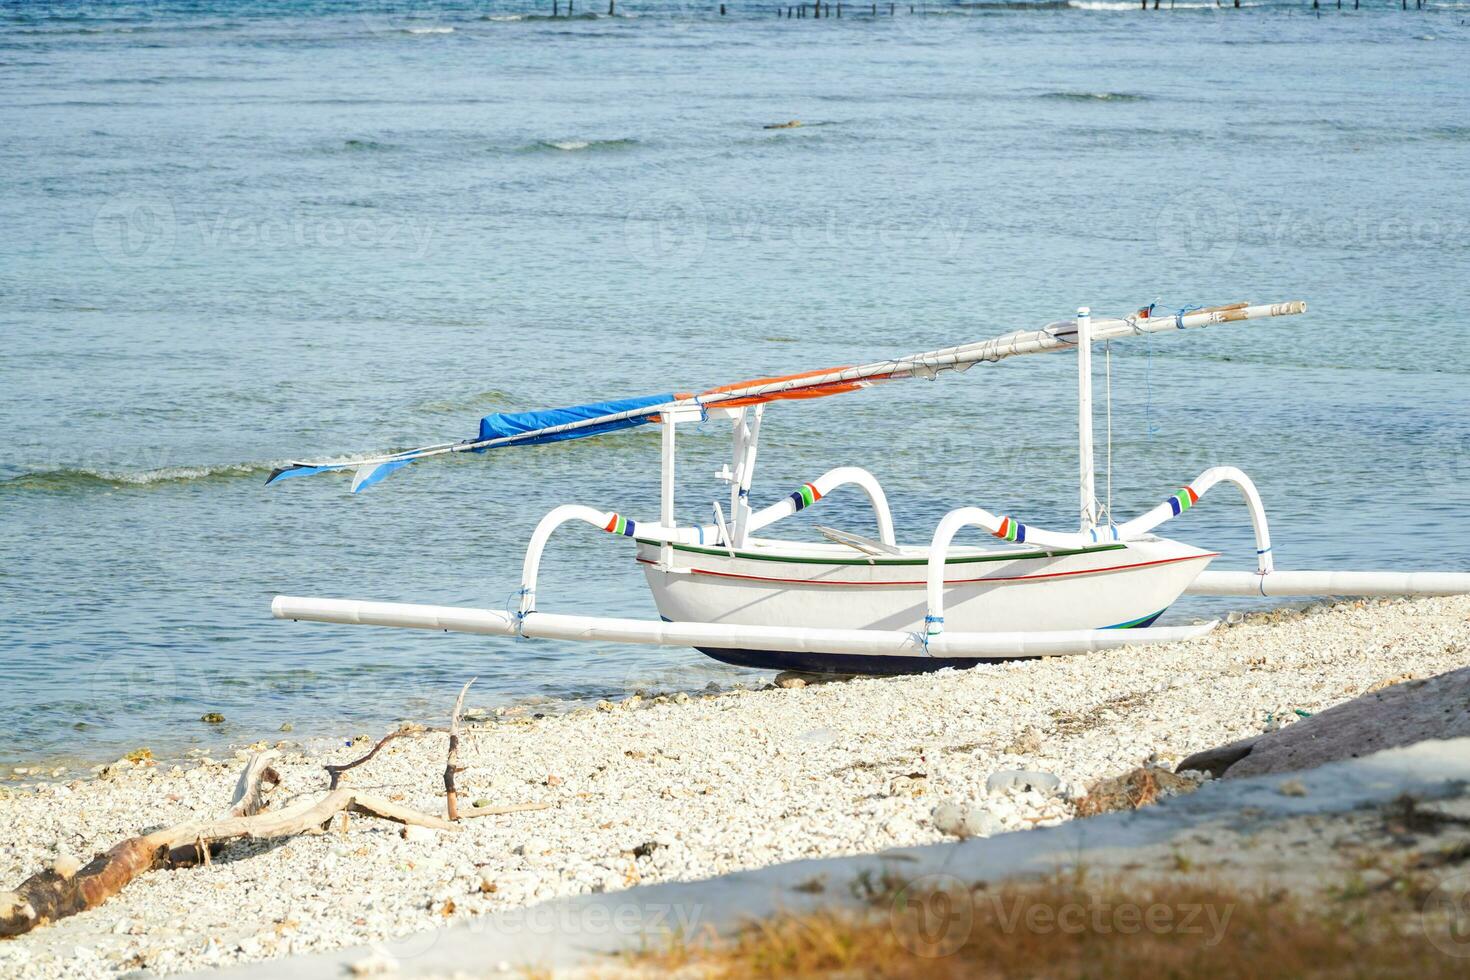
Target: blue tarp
{"x":503,"y":424}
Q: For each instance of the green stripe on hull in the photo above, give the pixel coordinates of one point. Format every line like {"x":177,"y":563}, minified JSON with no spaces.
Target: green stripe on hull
{"x":1137,"y":623}
{"x":879,"y":560}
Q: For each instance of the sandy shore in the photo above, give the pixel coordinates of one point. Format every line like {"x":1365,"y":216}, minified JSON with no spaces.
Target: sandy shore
{"x":673,"y":789}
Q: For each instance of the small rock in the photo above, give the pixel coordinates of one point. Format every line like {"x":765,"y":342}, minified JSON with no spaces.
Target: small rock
{"x":415,"y":834}
{"x":524,"y":882}
{"x":1027,"y":743}
{"x":212,"y":718}
{"x":487,"y":882}
{"x":286,"y":726}
{"x":963,"y":821}
{"x":482,"y":802}
{"x":1023,"y":780}
{"x":789,"y":680}
{"x":1215,"y":761}
{"x":912,"y":784}
{"x":982,"y":823}
{"x":66,"y":866}
{"x":379,"y":962}
{"x":1292,"y":787}
{"x":680,"y":698}
{"x":605,"y":705}
{"x":112,"y":769}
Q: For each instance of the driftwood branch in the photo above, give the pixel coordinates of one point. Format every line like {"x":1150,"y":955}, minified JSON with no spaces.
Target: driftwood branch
{"x":257,"y":779}
{"x":451,"y":765}
{"x":499,"y":811}
{"x":65,"y":890}
{"x":335,"y":772}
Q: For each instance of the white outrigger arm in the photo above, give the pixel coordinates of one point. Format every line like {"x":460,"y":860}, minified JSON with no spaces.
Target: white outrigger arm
{"x":744,"y":405}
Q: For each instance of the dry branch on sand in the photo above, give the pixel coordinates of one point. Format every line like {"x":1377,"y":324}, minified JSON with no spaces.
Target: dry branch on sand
{"x":66,"y":889}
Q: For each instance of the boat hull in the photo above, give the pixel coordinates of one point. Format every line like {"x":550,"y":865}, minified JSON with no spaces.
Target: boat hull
{"x":1114,"y":586}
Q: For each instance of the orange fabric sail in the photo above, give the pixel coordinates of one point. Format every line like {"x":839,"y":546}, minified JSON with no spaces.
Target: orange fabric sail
{"x":816,"y":391}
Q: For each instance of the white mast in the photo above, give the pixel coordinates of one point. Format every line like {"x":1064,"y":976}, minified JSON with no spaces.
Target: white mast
{"x":1084,"y":418}
{"x":666,"y":485}
{"x":747,"y":440}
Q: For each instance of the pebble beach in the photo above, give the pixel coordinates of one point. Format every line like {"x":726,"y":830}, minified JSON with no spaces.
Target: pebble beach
{"x":673,"y":786}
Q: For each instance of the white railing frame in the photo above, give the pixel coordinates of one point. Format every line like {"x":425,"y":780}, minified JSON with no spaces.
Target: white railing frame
{"x":829,"y":481}
{"x":957,"y":520}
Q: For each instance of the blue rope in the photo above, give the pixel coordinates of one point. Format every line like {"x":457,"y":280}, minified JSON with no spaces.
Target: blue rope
{"x":924,"y":636}
{"x":517,"y":615}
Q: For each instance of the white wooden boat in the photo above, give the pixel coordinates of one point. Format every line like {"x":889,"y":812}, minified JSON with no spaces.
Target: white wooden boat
{"x":1115,"y":585}
{"x":855,"y":603}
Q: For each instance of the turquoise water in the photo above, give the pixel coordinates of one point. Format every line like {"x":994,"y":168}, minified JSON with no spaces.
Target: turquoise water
{"x":240,"y":233}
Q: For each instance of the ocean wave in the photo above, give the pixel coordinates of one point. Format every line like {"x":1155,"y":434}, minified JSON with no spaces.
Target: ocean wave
{"x":88,"y":478}
{"x":1094,"y":96}
{"x":489,"y":399}
{"x":573,"y":146}
{"x":528,"y":17}
{"x":365,"y":146}
{"x":428,"y":30}
{"x":1133,"y":5}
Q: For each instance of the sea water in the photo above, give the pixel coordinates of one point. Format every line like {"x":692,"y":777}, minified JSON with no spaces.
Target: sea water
{"x":238,"y":233}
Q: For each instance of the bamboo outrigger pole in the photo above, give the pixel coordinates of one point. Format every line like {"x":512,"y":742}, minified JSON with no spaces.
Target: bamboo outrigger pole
{"x":1054,"y":336}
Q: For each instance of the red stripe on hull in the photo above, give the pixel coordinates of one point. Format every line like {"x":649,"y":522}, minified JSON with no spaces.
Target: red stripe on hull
{"x":948,"y":581}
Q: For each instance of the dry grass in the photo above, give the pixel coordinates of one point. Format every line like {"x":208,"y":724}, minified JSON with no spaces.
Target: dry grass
{"x":1068,"y":927}
{"x":1071,"y":723}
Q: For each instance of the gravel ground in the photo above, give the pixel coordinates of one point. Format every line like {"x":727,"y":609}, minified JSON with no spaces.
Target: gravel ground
{"x":677,"y":788}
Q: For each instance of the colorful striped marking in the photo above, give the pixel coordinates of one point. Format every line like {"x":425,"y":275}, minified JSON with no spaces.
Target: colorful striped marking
{"x":1010,"y":530}
{"x":621,"y":525}
{"x":1137,"y":624}
{"x":1184,"y":499}
{"x":805,"y":496}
